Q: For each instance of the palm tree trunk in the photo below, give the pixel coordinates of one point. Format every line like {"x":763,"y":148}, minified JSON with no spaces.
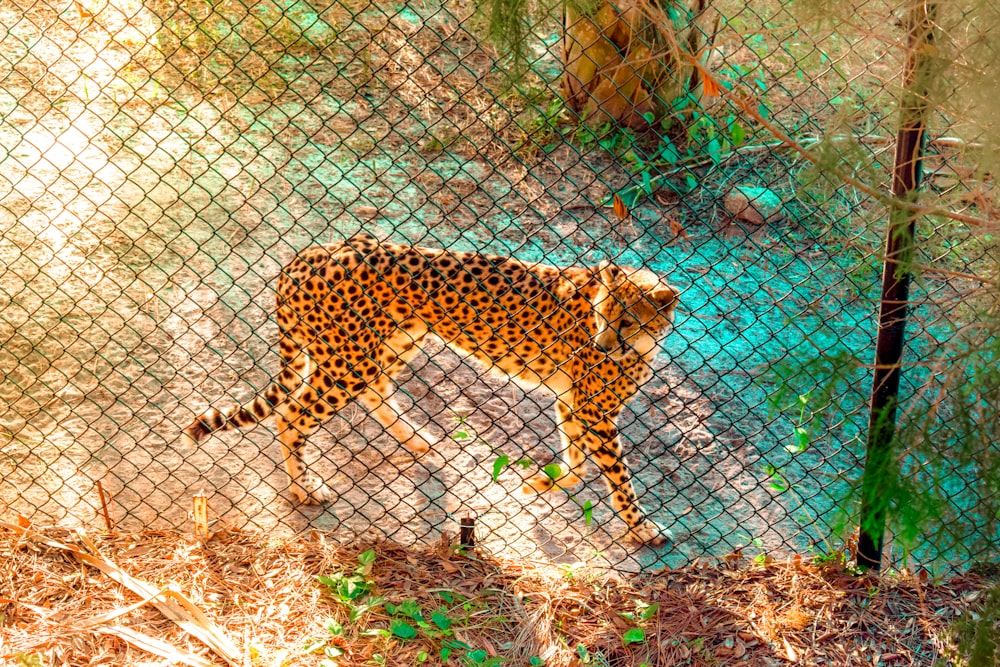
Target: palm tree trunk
{"x":620,"y":64}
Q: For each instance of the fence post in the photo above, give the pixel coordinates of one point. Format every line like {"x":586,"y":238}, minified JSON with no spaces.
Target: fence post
{"x":920,"y":68}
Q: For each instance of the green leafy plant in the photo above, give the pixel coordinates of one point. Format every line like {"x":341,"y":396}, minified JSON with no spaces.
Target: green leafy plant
{"x":803,"y":433}
{"x":331,"y":651}
{"x":976,"y":634}
{"x":354,"y":589}
{"x":778,"y":481}
{"x":463,"y":432}
{"x":349,"y":587}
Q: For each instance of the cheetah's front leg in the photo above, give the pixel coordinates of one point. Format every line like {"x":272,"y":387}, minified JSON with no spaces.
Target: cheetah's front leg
{"x":606,"y":450}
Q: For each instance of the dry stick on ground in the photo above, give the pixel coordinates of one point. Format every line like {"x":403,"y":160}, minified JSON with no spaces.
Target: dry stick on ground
{"x":171,"y":604}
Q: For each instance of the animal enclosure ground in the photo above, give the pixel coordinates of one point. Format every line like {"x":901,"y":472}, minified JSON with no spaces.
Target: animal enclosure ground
{"x":156,"y":177}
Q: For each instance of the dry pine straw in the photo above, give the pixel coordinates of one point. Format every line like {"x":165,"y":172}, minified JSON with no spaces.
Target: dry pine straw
{"x":263,"y":593}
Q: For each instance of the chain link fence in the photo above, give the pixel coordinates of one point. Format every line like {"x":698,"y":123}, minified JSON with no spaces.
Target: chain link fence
{"x":162,"y":161}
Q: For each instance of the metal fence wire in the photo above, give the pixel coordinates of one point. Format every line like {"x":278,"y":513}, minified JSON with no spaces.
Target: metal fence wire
{"x":162,"y":161}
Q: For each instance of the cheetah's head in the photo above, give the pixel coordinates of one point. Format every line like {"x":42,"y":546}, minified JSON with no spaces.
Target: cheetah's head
{"x":633,"y":310}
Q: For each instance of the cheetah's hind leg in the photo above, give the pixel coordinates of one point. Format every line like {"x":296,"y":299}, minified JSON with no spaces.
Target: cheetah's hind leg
{"x":378,"y":397}
{"x":378,"y":400}
{"x":297,"y":418}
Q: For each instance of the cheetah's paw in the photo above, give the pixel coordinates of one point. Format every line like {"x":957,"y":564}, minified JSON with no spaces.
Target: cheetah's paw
{"x":542,"y":482}
{"x":420,"y":443}
{"x":310,"y":490}
{"x":651,"y":533}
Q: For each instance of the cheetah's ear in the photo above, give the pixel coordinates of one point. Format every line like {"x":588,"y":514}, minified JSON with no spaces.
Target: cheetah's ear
{"x":611,"y":275}
{"x":664,"y":296}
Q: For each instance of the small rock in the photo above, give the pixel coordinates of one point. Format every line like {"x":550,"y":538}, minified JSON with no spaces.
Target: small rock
{"x":754,"y":205}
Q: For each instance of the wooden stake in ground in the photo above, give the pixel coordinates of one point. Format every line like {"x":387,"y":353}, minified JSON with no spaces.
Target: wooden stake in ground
{"x":104,"y":508}
{"x":199,"y":516}
{"x":915,"y":108}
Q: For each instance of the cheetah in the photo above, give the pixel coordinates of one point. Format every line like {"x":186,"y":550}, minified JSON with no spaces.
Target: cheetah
{"x":352,"y":314}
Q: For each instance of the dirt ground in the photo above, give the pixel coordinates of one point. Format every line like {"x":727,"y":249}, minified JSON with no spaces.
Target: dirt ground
{"x":148,"y":202}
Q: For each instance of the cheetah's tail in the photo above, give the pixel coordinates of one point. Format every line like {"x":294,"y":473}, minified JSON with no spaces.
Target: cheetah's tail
{"x":234,"y":416}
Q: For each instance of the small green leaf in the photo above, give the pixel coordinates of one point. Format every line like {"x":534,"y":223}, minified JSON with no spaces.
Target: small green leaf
{"x":588,"y":512}
{"x":647,"y":182}
{"x":402,"y":629}
{"x":737,"y":134}
{"x":553,"y":470}
{"x":422,"y":656}
{"x":477,"y":657}
{"x":369,"y":604}
{"x":525,"y":463}
{"x":499,"y":465}
{"x":366,"y":557}
{"x":715,"y":151}
{"x":535,"y":661}
{"x":801,"y":441}
{"x":445,"y":652}
{"x":668,"y":152}
{"x":334,"y":627}
{"x":649,"y":611}
{"x":410,"y":608}
{"x":310,"y":647}
{"x":441,"y":620}
{"x":634,"y":636}
{"x":374,"y":632}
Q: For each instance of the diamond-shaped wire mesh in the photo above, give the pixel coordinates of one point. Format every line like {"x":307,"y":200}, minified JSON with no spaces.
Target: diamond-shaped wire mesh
{"x":162,"y":161}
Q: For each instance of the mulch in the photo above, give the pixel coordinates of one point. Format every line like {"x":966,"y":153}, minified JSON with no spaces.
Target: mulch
{"x":247,"y":598}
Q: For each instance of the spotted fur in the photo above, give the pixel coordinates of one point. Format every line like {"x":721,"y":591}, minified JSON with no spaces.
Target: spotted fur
{"x":352,"y":314}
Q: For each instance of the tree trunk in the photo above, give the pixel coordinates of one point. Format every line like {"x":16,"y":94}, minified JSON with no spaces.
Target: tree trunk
{"x":621,"y":64}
